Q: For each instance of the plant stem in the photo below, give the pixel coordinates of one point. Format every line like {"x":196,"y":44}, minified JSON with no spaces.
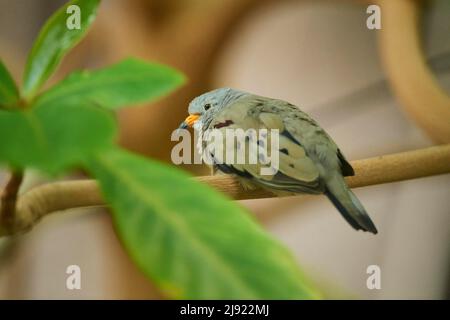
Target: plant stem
{"x":9,"y":199}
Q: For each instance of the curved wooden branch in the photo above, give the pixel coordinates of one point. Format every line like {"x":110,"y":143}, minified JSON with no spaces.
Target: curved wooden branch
{"x":184,"y":36}
{"x":58,"y":196}
{"x":411,"y":79}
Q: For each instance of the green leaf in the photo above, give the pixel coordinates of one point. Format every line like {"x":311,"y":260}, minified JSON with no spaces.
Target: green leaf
{"x":53,"y":42}
{"x":8,"y":90}
{"x":51,"y":140}
{"x":191,"y":240}
{"x":129,"y":82}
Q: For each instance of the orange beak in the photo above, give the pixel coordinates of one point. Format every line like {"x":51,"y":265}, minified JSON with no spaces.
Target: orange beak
{"x":190,"y":121}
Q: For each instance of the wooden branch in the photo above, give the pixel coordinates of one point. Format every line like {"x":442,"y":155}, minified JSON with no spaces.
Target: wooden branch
{"x":383,"y":169}
{"x":58,"y":196}
{"x":411,"y":79}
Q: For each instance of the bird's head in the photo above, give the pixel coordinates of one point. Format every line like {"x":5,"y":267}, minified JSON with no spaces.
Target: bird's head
{"x":203,"y":108}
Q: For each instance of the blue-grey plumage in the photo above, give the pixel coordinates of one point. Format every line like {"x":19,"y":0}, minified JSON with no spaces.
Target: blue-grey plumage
{"x":310,"y":161}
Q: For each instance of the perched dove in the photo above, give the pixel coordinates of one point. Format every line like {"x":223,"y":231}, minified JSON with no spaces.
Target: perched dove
{"x":309,"y":160}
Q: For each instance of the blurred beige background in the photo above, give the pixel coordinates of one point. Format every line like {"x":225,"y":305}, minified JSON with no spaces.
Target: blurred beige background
{"x":316,"y":54}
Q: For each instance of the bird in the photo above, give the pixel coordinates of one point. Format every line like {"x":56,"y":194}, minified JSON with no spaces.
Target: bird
{"x":309,"y":160}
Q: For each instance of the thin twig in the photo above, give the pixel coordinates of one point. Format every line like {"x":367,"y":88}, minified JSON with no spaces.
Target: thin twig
{"x":8,"y":198}
{"x":59,"y":196}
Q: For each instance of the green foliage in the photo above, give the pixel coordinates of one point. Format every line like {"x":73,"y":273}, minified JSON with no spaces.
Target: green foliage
{"x":190,"y":239}
{"x":54,"y":137}
{"x":129,"y":82}
{"x":53,"y":42}
{"x":8,"y":90}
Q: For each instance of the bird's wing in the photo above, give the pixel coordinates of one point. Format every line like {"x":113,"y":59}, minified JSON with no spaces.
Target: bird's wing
{"x":319,"y":146}
{"x":297,"y":172}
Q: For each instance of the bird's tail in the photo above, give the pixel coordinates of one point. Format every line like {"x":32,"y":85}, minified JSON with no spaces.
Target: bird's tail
{"x":348,"y":204}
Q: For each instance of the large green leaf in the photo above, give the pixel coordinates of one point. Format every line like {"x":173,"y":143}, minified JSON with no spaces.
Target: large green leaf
{"x":51,"y":140}
{"x":8,"y":90}
{"x":53,"y":42}
{"x":129,"y":82}
{"x":192,"y":241}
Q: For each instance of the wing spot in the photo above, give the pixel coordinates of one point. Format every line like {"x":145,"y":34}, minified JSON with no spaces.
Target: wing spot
{"x":223,"y":124}
{"x":290,"y":137}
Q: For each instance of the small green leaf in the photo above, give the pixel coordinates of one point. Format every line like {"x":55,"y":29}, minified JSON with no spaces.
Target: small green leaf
{"x":52,"y":140}
{"x":129,"y":82}
{"x":8,"y":90}
{"x":53,"y":42}
{"x":191,"y":240}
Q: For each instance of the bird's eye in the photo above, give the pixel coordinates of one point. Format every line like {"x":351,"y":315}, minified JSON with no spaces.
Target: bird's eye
{"x":207,"y":106}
